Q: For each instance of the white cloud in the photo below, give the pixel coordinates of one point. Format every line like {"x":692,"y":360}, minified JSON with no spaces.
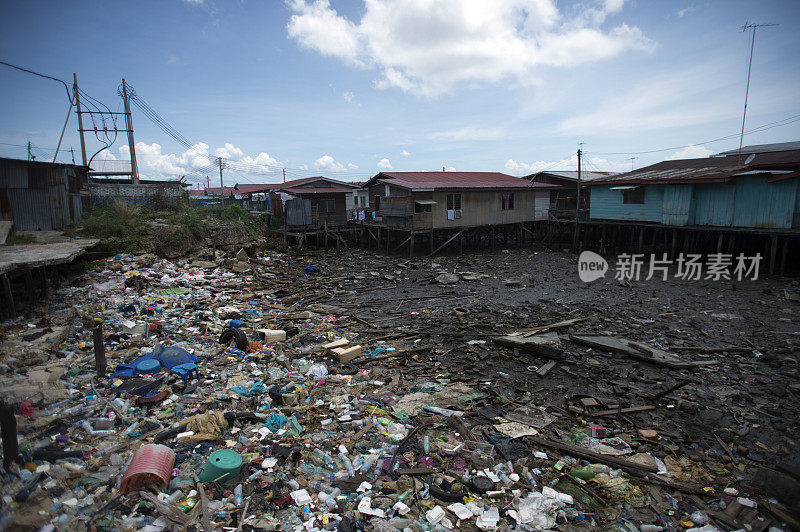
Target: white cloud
{"x":570,"y":163}
{"x":348,"y":96}
{"x":196,"y":162}
{"x":326,"y":162}
{"x":151,"y":162}
{"x":429,"y":47}
{"x":229,"y":151}
{"x":351,"y":166}
{"x":194,"y":2}
{"x":691,"y":152}
{"x":450,"y":169}
{"x":384,"y":164}
{"x":686,"y":11}
{"x":405,"y":153}
{"x":469,"y":133}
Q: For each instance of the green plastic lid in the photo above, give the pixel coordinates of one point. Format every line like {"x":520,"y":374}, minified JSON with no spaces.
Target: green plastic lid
{"x":221,"y":465}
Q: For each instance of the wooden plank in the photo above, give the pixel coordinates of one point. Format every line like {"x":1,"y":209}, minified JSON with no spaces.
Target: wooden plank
{"x":547,"y":345}
{"x":629,"y":410}
{"x":586,"y":453}
{"x":447,"y":242}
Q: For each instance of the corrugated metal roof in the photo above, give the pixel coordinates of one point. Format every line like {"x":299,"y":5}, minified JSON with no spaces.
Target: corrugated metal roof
{"x":454,"y":180}
{"x":705,"y":170}
{"x":244,"y":188}
{"x":762,"y":148}
{"x":299,"y":191}
{"x":571,"y":175}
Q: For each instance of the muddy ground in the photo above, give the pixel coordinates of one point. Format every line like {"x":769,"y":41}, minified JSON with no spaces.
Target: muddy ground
{"x":749,"y":400}
{"x":731,"y":426}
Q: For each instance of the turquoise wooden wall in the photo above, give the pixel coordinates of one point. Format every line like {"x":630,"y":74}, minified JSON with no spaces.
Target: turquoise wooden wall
{"x":747,"y":202}
{"x":677,"y":206}
{"x":713,"y":204}
{"x":607,"y":205}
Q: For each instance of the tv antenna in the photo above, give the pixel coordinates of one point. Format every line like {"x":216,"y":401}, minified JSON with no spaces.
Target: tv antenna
{"x":749,"y":26}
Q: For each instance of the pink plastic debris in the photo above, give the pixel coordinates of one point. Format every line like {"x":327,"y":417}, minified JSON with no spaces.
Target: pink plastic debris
{"x":151,"y":464}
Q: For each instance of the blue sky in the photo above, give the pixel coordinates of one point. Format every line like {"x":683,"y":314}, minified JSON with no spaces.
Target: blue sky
{"x":347,"y":89}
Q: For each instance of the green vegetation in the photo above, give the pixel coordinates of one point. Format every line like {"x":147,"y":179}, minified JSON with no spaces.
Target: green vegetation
{"x":169,"y":229}
{"x":119,"y":225}
{"x":233,"y":212}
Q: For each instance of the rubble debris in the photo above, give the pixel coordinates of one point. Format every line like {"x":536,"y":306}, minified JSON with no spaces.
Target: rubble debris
{"x":271,"y":398}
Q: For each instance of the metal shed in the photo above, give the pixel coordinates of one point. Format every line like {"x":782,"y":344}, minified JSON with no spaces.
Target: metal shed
{"x":40,"y":196}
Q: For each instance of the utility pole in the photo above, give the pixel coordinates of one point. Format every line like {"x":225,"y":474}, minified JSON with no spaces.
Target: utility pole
{"x":80,"y":117}
{"x":29,"y":150}
{"x":221,"y":185}
{"x":208,"y":182}
{"x":753,"y":27}
{"x":72,"y":152}
{"x":129,"y":127}
{"x":284,"y":175}
{"x":577,"y":200}
{"x":631,"y":159}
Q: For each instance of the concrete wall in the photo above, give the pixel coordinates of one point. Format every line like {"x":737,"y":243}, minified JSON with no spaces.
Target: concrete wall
{"x":140,"y":193}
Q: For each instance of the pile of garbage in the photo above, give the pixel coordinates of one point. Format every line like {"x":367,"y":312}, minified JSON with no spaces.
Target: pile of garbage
{"x":153,"y":395}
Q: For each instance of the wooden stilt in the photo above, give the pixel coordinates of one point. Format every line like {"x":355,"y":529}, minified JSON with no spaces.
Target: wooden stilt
{"x":784,"y":252}
{"x":9,"y":297}
{"x":772,"y":254}
{"x":448,"y":241}
{"x":43,"y":282}
{"x":99,"y":348}
{"x":641,"y":238}
{"x":29,"y":288}
{"x":674,"y":243}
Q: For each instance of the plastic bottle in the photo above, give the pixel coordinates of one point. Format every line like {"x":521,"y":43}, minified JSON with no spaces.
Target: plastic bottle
{"x":650,"y":528}
{"x":327,"y":488}
{"x":426,"y":444}
{"x":237,"y":495}
{"x":173,"y":498}
{"x":502,"y":474}
{"x":323,"y":459}
{"x":347,"y":464}
{"x":327,"y":500}
{"x":339,"y":475}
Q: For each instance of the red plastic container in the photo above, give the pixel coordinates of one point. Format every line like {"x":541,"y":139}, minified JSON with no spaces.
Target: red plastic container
{"x":151,"y":464}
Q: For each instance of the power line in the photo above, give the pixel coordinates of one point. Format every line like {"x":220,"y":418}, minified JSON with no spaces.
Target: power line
{"x":764,"y":127}
{"x":66,"y":87}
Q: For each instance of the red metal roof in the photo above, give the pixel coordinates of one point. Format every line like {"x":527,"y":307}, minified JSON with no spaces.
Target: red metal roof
{"x":299,"y":191}
{"x":216,"y":190}
{"x":440,"y":180}
{"x":705,"y":170}
{"x":245,"y":188}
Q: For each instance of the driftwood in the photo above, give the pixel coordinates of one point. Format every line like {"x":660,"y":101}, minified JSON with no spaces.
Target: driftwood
{"x":591,"y":455}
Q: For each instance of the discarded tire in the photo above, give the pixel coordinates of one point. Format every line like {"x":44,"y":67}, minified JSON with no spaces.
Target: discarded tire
{"x":238,"y":336}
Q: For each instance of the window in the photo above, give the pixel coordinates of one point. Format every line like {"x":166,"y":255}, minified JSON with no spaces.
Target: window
{"x":507,"y":201}
{"x":422,"y":207}
{"x":634,"y":196}
{"x":355,"y":200}
{"x":454,"y":202}
{"x":327,"y":205}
